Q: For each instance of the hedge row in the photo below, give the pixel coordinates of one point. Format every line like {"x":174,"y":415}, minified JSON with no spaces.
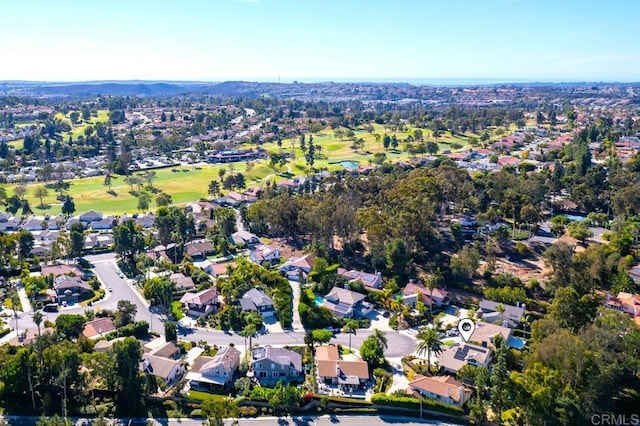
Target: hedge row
{"x":414,"y":403}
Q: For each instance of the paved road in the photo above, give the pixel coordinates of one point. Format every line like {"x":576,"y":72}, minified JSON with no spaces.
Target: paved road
{"x":105,"y":268}
{"x":267,"y":421}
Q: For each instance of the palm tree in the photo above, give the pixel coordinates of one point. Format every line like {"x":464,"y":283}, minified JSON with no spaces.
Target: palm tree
{"x":351,"y":327}
{"x":250,"y":332}
{"x":37,"y":319}
{"x":381,"y":337}
{"x":428,"y":341}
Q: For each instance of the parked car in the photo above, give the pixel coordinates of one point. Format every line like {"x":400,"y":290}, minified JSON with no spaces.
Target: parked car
{"x":50,"y":307}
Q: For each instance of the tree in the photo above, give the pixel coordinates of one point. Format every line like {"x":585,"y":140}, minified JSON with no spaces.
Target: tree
{"x":37,"y":319}
{"x":249,"y":332}
{"x":55,"y":420}
{"x":170,"y":331}
{"x":76,"y":237}
{"x":465,"y":263}
{"x":398,"y":257}
{"x":351,"y":327}
{"x":70,"y":325}
{"x":428,"y":341}
{"x":107,"y":181}
{"x":68,"y":207}
{"x":381,"y":338}
{"x":163,"y":199}
{"x":149,"y":176}
{"x":144,"y":200}
{"x":321,"y":336}
{"x":216,"y":410}
{"x":25,"y":243}
{"x":579,"y":230}
{"x":499,"y":383}
{"x":214,"y":187}
{"x":126,"y":356}
{"x":40,"y":192}
{"x":371,"y":351}
{"x":126,"y":313}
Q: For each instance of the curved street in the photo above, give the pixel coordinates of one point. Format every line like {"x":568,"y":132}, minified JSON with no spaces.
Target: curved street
{"x":106,"y":270}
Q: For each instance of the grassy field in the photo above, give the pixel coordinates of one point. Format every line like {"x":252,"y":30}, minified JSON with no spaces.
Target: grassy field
{"x":187,"y":184}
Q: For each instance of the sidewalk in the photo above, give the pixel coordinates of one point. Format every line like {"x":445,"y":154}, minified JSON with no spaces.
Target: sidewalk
{"x":24,"y":300}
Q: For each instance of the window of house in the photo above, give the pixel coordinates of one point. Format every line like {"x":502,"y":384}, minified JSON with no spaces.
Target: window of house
{"x":274,"y":374}
{"x":273,"y":366}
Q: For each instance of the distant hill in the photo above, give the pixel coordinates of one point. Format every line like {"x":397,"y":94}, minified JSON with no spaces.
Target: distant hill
{"x":120,"y":89}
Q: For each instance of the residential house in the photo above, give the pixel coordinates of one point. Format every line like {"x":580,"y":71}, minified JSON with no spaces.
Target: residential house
{"x":263,"y":254}
{"x":94,"y":241}
{"x":413,"y":292}
{"x":11,"y":224}
{"x":57,"y":270}
{"x":168,"y":370}
{"x":501,"y":313}
{"x":54,"y":223}
{"x":182,"y":282}
{"x":98,"y":327}
{"x":90,"y":216}
{"x":452,"y":359}
{"x":293,"y":269}
{"x":103,"y":224}
{"x":349,"y":375}
{"x":202,"y":303}
{"x":244,"y":238}
{"x":199,"y":250}
{"x":445,"y":389}
{"x":215,"y":373}
{"x":257,"y":300}
{"x":217,"y":269}
{"x":271,"y":365}
{"x":485,"y":333}
{"x":624,"y":302}
{"x":346,"y":303}
{"x":70,"y":289}
{"x":371,"y":281}
{"x":33,"y":224}
{"x":167,"y":350}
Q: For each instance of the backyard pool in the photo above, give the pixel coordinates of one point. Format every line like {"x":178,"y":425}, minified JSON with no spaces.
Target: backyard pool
{"x":319,"y":300}
{"x":574,"y":218}
{"x":348,"y":164}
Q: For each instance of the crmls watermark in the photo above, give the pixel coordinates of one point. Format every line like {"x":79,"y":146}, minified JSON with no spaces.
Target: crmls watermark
{"x":607,"y":419}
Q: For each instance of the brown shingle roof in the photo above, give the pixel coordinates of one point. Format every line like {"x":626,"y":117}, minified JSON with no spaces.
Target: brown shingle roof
{"x":98,"y":326}
{"x":445,"y":386}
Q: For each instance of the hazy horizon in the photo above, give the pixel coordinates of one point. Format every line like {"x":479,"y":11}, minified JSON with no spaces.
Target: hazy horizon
{"x":311,"y":41}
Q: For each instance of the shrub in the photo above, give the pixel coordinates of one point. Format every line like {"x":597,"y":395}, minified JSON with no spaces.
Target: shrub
{"x":414,"y":403}
{"x":196,"y":413}
{"x":4,"y":331}
{"x":248,"y":411}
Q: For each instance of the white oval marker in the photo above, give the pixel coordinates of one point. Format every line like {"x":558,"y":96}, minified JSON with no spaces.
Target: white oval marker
{"x":466,"y":327}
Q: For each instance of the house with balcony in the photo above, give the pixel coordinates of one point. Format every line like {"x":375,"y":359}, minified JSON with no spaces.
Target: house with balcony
{"x":202,"y":303}
{"x":257,"y":300}
{"x":345,"y":303}
{"x":215,"y":373}
{"x":271,"y":365}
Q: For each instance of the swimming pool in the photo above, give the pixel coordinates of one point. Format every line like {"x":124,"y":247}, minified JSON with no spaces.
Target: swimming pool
{"x":319,"y":300}
{"x":574,"y":218}
{"x":348,"y":164}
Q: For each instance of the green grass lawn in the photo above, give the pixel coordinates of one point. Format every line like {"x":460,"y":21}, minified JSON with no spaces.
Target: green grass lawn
{"x":188,"y":184}
{"x":202,"y":396}
{"x":176,"y":310}
{"x":448,"y":342}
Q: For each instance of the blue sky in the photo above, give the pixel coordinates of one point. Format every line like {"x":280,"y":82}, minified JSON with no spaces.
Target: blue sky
{"x":311,"y":40}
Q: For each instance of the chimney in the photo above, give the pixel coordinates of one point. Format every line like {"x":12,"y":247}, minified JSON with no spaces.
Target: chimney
{"x":461,"y":394}
{"x":337,"y":369}
{"x":517,"y":304}
{"x":523,"y":306}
